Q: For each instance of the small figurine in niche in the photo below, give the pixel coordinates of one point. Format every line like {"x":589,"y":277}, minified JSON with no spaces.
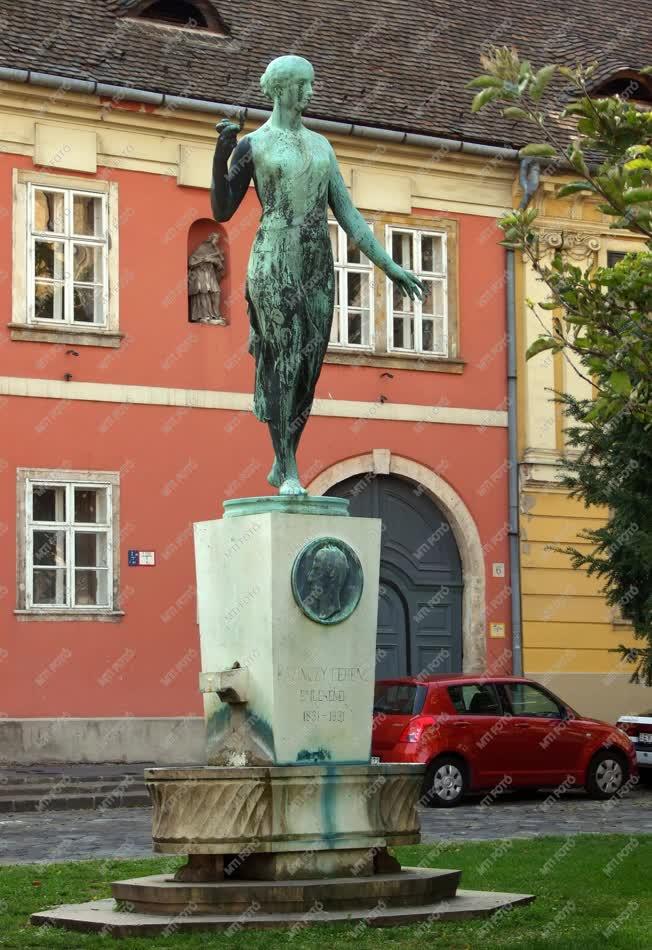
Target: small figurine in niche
{"x":205,"y":270}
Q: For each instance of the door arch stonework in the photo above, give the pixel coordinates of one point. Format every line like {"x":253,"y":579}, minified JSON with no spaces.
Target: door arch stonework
{"x":467,"y":537}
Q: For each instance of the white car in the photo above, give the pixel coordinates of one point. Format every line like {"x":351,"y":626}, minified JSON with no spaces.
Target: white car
{"x":639,"y":730}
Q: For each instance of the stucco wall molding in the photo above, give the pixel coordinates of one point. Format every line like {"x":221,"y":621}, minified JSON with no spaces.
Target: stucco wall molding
{"x":242,"y":402}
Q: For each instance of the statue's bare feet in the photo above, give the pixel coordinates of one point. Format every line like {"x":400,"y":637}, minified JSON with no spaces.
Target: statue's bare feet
{"x":274,"y":477}
{"x":292,"y":486}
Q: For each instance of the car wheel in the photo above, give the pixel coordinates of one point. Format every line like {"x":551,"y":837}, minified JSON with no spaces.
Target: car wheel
{"x":607,"y":774}
{"x":446,"y":783}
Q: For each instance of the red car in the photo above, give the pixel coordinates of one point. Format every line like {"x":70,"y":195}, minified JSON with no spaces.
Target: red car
{"x":475,"y":732}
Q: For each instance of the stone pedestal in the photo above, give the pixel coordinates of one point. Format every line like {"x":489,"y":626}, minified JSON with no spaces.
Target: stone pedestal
{"x":289,"y":824}
{"x":302,"y":642}
{"x":275,"y":823}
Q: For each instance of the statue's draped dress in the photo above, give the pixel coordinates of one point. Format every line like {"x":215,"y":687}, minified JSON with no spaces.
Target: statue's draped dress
{"x":290,"y":278}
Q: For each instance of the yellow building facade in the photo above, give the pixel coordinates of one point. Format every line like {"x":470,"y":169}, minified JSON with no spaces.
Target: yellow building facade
{"x":568,"y":629}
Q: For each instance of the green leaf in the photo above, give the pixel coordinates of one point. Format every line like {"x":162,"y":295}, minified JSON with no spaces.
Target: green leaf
{"x":647,"y":70}
{"x":537,"y":150}
{"x":577,"y":108}
{"x":541,"y":80}
{"x":573,"y":187}
{"x":636,"y":195}
{"x":543,"y":343}
{"x":586,"y":126}
{"x":640,"y":149}
{"x":484,"y":82}
{"x":607,"y":209}
{"x":620,"y":382}
{"x":637,"y":163}
{"x":483,"y":97}
{"x":549,"y":305}
{"x":576,"y":158}
{"x":513,"y":112}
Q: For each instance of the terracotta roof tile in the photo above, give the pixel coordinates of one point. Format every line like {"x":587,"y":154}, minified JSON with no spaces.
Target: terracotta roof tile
{"x":388,"y":63}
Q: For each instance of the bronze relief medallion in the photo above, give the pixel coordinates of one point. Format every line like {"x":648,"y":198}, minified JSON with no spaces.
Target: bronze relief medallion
{"x":327,"y":580}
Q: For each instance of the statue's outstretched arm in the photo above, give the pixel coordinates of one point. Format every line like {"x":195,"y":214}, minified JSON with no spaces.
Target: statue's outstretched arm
{"x":361,"y":234}
{"x":229,"y":184}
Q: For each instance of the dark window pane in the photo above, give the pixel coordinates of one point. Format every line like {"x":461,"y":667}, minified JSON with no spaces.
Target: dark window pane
{"x":427,"y":337}
{"x":403,"y":338}
{"x":91,"y":588}
{"x":48,"y":503}
{"x":48,"y":301}
{"x":49,"y":259}
{"x":49,"y":586}
{"x":355,"y":328}
{"x":87,"y":215}
{"x":90,"y":549}
{"x":49,"y":547}
{"x":87,"y":304}
{"x":87,"y":263}
{"x":432,"y":253}
{"x":401,"y":699}
{"x":176,"y":12}
{"x":48,"y":211}
{"x":90,"y":505}
{"x":402,"y":249}
{"x":475,"y":699}
{"x":527,"y":700}
{"x":357,"y":289}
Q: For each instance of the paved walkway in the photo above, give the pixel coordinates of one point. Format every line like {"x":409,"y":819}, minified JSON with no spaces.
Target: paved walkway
{"x":125,"y":832}
{"x":528,"y":816}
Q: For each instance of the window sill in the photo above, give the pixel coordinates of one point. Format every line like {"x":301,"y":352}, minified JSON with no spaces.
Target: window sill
{"x":64,"y":334}
{"x":411,"y":361}
{"x":103,"y":616}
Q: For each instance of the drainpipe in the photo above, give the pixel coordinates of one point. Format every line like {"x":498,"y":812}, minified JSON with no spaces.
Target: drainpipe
{"x":529,"y":174}
{"x":513,"y":471}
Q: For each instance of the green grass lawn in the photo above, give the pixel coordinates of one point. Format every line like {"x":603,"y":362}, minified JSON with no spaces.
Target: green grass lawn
{"x":592,"y":891}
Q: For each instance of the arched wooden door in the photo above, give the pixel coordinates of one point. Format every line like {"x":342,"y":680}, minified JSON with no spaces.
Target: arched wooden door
{"x":420,"y":601}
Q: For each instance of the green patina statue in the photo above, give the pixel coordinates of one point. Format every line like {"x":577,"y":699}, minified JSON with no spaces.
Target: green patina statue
{"x":290,"y":278}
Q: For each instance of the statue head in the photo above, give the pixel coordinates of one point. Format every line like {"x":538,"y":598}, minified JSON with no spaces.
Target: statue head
{"x":327,"y":578}
{"x":289,"y":79}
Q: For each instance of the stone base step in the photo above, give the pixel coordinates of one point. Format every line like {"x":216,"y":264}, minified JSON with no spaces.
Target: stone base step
{"x":50,"y":800}
{"x":87,"y":772}
{"x":161,"y":894}
{"x":58,"y":788}
{"x":102,"y":915}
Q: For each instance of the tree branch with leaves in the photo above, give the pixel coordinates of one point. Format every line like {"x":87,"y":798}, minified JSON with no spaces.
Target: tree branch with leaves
{"x":601,"y":317}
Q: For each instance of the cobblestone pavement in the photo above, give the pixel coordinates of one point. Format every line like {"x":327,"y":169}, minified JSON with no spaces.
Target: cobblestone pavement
{"x":125,"y":832}
{"x":528,"y":816}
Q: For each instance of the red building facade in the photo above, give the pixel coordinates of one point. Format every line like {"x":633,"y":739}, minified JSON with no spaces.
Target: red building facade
{"x":124,"y":422}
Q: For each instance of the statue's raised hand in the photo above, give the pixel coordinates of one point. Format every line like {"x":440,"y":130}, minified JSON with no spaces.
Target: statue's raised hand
{"x":227,"y":133}
{"x":406,"y":280}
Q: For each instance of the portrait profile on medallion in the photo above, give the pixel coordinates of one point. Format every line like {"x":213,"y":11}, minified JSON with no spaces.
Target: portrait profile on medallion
{"x":327,"y":580}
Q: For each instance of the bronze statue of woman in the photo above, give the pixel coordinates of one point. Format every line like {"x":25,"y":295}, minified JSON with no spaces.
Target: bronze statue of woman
{"x":290,"y":278}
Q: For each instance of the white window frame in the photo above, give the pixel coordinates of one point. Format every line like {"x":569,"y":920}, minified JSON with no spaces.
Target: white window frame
{"x":68,"y":239}
{"x":342,"y":269}
{"x":27,"y":479}
{"x":417,"y":234}
{"x":24,"y":325}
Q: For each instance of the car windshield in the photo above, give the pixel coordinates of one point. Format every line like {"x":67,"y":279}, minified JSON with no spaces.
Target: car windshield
{"x":399,"y":699}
